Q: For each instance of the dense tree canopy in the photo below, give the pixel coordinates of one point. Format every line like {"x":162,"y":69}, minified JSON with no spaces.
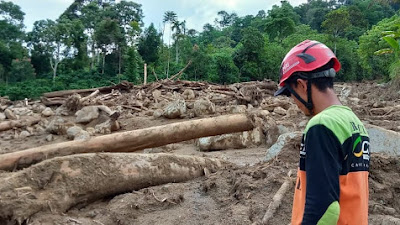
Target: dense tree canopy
{"x":95,"y":42}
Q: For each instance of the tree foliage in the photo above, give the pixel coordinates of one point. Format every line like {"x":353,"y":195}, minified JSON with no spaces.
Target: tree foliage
{"x":95,"y":42}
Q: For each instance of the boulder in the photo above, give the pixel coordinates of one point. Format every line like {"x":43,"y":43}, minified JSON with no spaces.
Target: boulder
{"x":23,"y":111}
{"x":83,"y":135}
{"x":72,"y":132}
{"x":47,"y":112}
{"x":175,"y":109}
{"x":188,"y":94}
{"x":203,"y":106}
{"x":107,"y":127}
{"x":10,"y":115}
{"x":38,"y":108}
{"x":62,"y":111}
{"x":87,"y":114}
{"x":156,"y":95}
{"x":39,"y":130}
{"x":77,"y":133}
{"x":383,"y":140}
{"x":58,"y":126}
{"x":285,"y":141}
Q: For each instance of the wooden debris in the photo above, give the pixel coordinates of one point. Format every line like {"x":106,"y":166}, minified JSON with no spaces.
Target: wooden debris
{"x":131,"y":141}
{"x":8,"y":125}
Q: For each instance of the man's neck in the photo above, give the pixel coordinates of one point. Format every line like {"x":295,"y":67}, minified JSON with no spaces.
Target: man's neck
{"x":323,"y":100}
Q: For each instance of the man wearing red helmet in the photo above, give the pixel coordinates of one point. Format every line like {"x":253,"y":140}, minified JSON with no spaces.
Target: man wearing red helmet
{"x":332,"y":179}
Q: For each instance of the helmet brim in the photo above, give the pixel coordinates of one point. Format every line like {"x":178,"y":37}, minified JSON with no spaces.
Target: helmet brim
{"x":282,"y":91}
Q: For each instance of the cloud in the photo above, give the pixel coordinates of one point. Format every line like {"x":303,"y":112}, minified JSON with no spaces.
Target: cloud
{"x":205,"y":11}
{"x":196,"y":12}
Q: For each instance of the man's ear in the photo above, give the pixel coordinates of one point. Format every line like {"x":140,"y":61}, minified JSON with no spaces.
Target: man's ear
{"x":302,"y":84}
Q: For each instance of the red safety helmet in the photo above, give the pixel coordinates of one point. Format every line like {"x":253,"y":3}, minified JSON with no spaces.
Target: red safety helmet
{"x":305,"y":57}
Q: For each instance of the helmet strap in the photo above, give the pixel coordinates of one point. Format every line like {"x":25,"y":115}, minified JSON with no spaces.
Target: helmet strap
{"x":309,"y":104}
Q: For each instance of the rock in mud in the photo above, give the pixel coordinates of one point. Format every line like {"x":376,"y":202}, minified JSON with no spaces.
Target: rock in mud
{"x":284,"y":141}
{"x":47,"y":112}
{"x":77,"y":133}
{"x":188,"y":94}
{"x":382,"y":140}
{"x":175,"y":109}
{"x":10,"y":115}
{"x":203,"y":107}
{"x":62,"y":111}
{"x":107,"y":127}
{"x":23,"y":111}
{"x":83,"y":135}
{"x":87,"y":114}
{"x":58,"y":126}
{"x":72,"y":132}
{"x":24,"y":134}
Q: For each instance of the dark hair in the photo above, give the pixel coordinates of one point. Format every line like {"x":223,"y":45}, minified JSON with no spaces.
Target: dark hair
{"x":321,"y":83}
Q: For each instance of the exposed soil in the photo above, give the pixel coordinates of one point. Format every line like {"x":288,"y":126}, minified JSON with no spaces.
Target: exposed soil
{"x":239,"y":194}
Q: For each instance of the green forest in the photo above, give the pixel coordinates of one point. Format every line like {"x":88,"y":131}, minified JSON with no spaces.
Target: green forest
{"x":97,"y":43}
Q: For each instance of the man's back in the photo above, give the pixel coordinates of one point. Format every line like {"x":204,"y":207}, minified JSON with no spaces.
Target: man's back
{"x":332,"y":179}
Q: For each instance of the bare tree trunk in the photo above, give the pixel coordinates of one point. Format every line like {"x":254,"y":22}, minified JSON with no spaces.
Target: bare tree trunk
{"x":103,"y":64}
{"x":131,"y":141}
{"x":8,"y":125}
{"x":58,"y":184}
{"x":168,"y":62}
{"x":119,"y":60}
{"x":176,"y":52}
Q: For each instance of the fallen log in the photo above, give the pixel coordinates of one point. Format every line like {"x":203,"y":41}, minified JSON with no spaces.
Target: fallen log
{"x":277,"y":200}
{"x":52,"y":101}
{"x":179,"y":74}
{"x":58,"y":184}
{"x":122,"y":86}
{"x":131,"y":141}
{"x":8,"y":125}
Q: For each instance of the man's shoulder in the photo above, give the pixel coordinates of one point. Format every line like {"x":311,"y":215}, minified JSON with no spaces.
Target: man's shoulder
{"x":337,"y":119}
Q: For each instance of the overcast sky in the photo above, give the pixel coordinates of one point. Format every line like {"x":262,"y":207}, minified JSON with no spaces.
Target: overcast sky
{"x":195,"y":12}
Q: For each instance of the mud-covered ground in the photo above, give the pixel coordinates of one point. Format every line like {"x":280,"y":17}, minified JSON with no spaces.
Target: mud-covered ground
{"x":237,"y":195}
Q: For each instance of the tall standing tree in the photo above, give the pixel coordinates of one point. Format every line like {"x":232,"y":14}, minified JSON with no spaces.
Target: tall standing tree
{"x":169,"y":17}
{"x":91,"y":17}
{"x":336,"y":23}
{"x":54,"y":38}
{"x":281,"y":21}
{"x":108,"y":35}
{"x":11,"y":36}
{"x":149,"y":44}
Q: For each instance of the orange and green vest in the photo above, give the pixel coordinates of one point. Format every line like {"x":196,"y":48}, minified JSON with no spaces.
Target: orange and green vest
{"x":332,"y":179}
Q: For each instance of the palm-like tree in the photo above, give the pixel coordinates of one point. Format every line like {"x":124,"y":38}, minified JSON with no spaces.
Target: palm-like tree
{"x":180,"y":31}
{"x":169,"y":17}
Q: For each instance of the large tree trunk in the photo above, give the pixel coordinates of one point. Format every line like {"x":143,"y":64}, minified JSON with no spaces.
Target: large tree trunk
{"x":131,"y":141}
{"x":58,"y":184}
{"x":8,"y":125}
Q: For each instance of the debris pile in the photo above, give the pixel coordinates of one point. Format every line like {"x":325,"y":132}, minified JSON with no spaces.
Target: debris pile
{"x":219,"y":154}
